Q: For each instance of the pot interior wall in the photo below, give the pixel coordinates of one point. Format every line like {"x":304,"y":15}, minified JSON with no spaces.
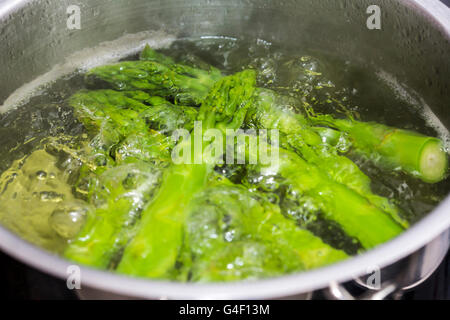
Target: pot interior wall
{"x":408,"y":46}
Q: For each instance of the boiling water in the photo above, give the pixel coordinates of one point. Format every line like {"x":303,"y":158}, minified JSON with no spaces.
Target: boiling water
{"x":330,"y":85}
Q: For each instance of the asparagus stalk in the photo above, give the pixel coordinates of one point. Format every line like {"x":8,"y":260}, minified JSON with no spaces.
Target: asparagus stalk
{"x":396,"y":149}
{"x":424,"y":157}
{"x":125,"y":120}
{"x":91,"y":256}
{"x":184,"y":84}
{"x":129,"y":111}
{"x":236,"y":234}
{"x":272,"y":111}
{"x":119,"y":190}
{"x":156,"y":246}
{"x":120,"y":194}
{"x":357,"y":216}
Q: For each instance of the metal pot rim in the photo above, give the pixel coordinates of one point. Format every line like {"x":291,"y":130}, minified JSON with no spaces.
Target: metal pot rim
{"x":410,"y":241}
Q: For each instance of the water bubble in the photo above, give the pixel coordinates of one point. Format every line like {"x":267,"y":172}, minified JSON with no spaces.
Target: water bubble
{"x":120,"y":85}
{"x":273,"y":198}
{"x":51,"y":196}
{"x":68,"y":218}
{"x":229,"y":235}
{"x":41,"y":175}
{"x":269,"y":184}
{"x":130,"y":181}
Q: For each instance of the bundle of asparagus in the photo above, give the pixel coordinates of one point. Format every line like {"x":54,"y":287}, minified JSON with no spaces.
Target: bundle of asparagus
{"x":405,"y":150}
{"x":159,"y":219}
{"x":155,"y":246}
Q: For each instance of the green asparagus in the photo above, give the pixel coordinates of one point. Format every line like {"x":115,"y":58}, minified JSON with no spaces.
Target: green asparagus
{"x":270,"y":111}
{"x":156,"y":246}
{"x":179,"y":221}
{"x":396,"y":149}
{"x":236,"y":234}
{"x":424,"y":157}
{"x":266,"y":112}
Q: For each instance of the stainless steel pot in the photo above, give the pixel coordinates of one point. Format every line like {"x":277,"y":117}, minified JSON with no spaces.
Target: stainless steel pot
{"x":412,"y":46}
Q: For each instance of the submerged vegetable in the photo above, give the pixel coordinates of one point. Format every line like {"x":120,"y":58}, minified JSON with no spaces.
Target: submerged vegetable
{"x":182,"y":83}
{"x":155,"y":248}
{"x":119,"y":190}
{"x":271,"y":113}
{"x":135,"y":194}
{"x":357,"y":216}
{"x":236,"y":234}
{"x":119,"y":195}
{"x":421,"y":156}
{"x":264,"y":112}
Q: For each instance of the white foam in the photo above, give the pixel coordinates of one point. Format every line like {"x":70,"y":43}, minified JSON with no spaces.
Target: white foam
{"x":105,"y":52}
{"x":411,"y":97}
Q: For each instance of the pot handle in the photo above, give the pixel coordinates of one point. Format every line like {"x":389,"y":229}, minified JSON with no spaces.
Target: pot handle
{"x":336,"y":291}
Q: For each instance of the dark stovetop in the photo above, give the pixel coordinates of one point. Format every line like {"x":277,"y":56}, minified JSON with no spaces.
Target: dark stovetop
{"x":19,"y":281}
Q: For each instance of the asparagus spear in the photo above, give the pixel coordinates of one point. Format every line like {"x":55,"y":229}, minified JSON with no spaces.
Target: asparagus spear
{"x":182,"y":83}
{"x":357,"y":216}
{"x":154,"y":249}
{"x":235,"y":234}
{"x":91,"y":256}
{"x":130,"y":111}
{"x":118,"y":191}
{"x":95,"y":108}
{"x":339,"y":203}
{"x":123,"y":120}
{"x":119,"y":194}
{"x":396,"y":149}
{"x":272,"y":111}
{"x":423,"y":158}
{"x":156,"y":246}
